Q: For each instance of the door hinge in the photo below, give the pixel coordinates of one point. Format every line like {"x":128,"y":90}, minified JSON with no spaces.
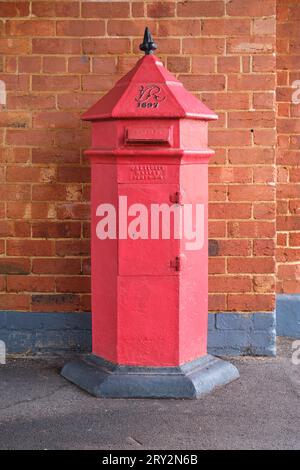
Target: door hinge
{"x":177,"y":197}
{"x":178,"y":262}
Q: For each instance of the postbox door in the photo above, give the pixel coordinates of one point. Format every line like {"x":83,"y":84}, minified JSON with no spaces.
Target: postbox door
{"x":142,"y":253}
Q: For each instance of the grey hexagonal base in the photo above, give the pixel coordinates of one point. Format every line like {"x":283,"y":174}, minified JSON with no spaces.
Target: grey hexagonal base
{"x":191,"y":380}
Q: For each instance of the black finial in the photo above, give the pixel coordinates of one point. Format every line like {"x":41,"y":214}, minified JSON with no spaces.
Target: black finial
{"x":148,"y":45}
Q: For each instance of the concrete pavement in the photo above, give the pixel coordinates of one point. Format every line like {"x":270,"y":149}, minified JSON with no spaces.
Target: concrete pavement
{"x":41,"y":410}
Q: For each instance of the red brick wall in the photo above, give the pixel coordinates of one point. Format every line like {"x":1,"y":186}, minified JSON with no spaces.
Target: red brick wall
{"x":288,"y":162}
{"x":58,"y":58}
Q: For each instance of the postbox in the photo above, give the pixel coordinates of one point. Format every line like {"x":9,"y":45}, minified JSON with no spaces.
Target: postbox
{"x":149,"y":193}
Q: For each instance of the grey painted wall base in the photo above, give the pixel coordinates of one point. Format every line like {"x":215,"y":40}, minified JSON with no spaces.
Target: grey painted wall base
{"x":26,"y":332}
{"x":192,"y":380}
{"x":242,"y":334}
{"x":231,"y":334}
{"x":288,"y":315}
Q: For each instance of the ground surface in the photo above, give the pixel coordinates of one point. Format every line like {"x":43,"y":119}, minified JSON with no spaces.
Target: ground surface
{"x":41,"y":410}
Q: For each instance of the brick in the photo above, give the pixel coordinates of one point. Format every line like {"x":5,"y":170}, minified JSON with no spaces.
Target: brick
{"x":160,"y":9}
{"x":30,"y":248}
{"x":96,"y":82}
{"x":29,"y":64}
{"x":31,"y":101}
{"x":14,"y":265}
{"x":27,"y":27}
{"x":105,"y":65}
{"x":26,"y":136}
{"x":56,"y":229}
{"x":73,"y":284}
{"x":30,"y":283}
{"x":198,"y":82}
{"x":105,"y":10}
{"x":73,"y":174}
{"x":230,"y":138}
{"x":235,"y":247}
{"x":254,"y":156}
{"x":230,"y":175}
{"x":264,"y":63}
{"x":294,"y":239}
{"x":253,"y":119}
{"x":255,"y":8}
{"x":202,"y":64}
{"x":56,"y":266}
{"x":216,"y":266}
{"x":250,"y":45}
{"x":288,"y":223}
{"x":80,"y":28}
{"x":22,"y":174}
{"x":55,"y":9}
{"x":217,"y":302}
{"x":226,"y":27}
{"x":264,"y":100}
{"x":54,"y":192}
{"x":54,"y":64}
{"x":228,"y":210}
{"x":264,"y":211}
{"x":53,"y":120}
{"x":55,"y":83}
{"x":179,"y":64}
{"x":78,"y":101}
{"x":14,"y":301}
{"x":56,"y":46}
{"x":106,"y":46}
{"x":264,"y":284}
{"x":203,"y":46}
{"x":14,"y":9}
{"x":264,"y":247}
{"x":15,"y":192}
{"x":72,"y":247}
{"x":264,"y":26}
{"x":14,"y":119}
{"x":251,"y":302}
{"x":179,"y":27}
{"x":55,"y":302}
{"x":251,"y":229}
{"x":228,"y":64}
{"x":85,"y":303}
{"x":200,"y":8}
{"x":264,"y":136}
{"x":14,"y":46}
{"x":79,"y":64}
{"x":221,"y":284}
{"x":227,"y":100}
{"x":251,"y":82}
{"x":129,"y":27}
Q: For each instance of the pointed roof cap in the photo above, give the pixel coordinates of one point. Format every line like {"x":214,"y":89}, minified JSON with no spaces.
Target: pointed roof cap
{"x":149,"y":90}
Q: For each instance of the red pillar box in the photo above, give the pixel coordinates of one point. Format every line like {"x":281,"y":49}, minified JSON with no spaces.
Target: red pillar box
{"x":149,"y":160}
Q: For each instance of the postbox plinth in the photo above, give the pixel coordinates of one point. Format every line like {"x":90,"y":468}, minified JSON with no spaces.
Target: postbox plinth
{"x":149,"y":197}
{"x":191,"y":380}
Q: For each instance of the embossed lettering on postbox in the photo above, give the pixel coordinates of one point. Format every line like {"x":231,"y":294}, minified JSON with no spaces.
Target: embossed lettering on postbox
{"x":148,"y":172}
